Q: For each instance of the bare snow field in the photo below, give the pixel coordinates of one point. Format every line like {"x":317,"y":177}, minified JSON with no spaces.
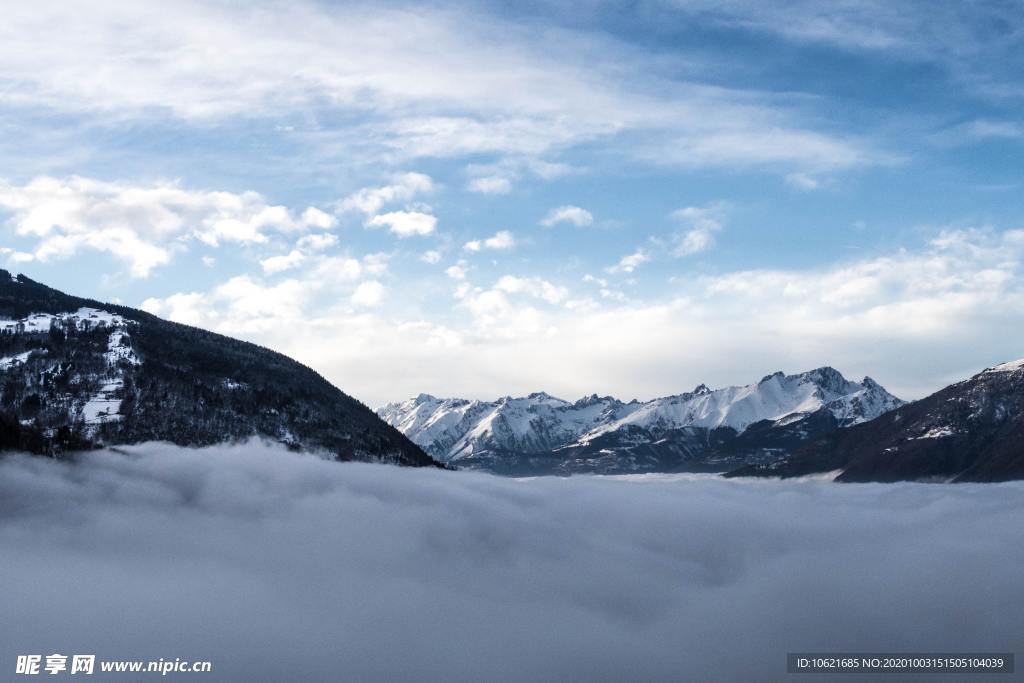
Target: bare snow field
{"x":276,"y":566}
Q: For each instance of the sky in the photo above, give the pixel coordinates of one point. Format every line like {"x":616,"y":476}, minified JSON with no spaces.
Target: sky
{"x":482,"y":199}
{"x":274,"y":565}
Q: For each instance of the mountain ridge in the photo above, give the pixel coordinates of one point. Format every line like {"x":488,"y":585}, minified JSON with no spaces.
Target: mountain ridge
{"x":971,"y":430}
{"x":699,"y":423}
{"x":78,"y":373}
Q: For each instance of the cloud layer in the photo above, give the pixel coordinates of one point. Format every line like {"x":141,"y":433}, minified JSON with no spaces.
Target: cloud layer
{"x":141,"y":224}
{"x":277,"y":566}
{"x":513,"y":333}
{"x":427,"y":82}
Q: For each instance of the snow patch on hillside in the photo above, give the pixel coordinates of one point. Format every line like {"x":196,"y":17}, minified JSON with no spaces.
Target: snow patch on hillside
{"x":8,"y":362}
{"x":104,"y":404}
{"x":937,"y":433}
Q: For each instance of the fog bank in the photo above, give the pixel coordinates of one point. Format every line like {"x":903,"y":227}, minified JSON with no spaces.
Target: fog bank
{"x":277,"y":566}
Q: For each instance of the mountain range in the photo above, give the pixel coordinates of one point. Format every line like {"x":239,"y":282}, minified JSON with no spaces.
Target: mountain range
{"x":969,"y":431}
{"x":77,"y":373}
{"x":702,"y":429}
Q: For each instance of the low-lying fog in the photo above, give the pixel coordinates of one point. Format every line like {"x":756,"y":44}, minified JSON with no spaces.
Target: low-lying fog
{"x":277,"y":566}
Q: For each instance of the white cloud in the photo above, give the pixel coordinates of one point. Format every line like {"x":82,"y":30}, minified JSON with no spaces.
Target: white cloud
{"x":978,"y":130}
{"x":630,"y":262}
{"x":914,"y":320}
{"x":191,"y":308}
{"x":864,"y":25}
{"x":368,"y":294}
{"x":318,"y":241}
{"x":278,"y":264}
{"x":532,"y":286}
{"x":457,"y":271}
{"x":495,"y":316}
{"x":503,"y":239}
{"x":604,"y":289}
{"x":424,"y":554}
{"x":376,"y":264}
{"x":430,"y":256}
{"x":803,"y":181}
{"x":568,"y":214}
{"x":986,"y":128}
{"x":546,"y":169}
{"x":693,"y":242}
{"x":209,"y":261}
{"x":506,"y":311}
{"x":387,"y":83}
{"x":405,"y":223}
{"x":499,"y":176}
{"x":447,"y":137}
{"x":744,"y":146}
{"x":490,"y":185}
{"x":957,"y":38}
{"x":404,"y":187}
{"x":141,"y":225}
{"x":315,"y":218}
{"x":703,"y":223}
{"x":21,"y":257}
{"x":244,"y":306}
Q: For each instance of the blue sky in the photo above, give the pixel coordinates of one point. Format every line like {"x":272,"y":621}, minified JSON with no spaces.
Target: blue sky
{"x":485,"y":199}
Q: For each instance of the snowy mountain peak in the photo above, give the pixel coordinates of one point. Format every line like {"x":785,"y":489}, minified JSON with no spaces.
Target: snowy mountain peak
{"x":543,"y":397}
{"x":452,"y":429}
{"x":968,"y":431}
{"x":593,"y":399}
{"x":1011,"y":366}
{"x":828,"y":379}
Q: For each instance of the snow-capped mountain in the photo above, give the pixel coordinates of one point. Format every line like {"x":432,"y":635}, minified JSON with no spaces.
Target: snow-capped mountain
{"x":970,"y":431}
{"x":540,"y":432}
{"x":457,"y":428}
{"x":77,"y":373}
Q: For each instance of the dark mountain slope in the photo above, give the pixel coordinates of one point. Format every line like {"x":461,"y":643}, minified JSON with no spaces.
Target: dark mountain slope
{"x":77,"y":372}
{"x":969,"y":431}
